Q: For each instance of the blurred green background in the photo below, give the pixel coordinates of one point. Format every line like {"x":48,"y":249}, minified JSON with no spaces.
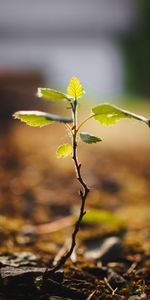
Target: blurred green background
{"x":106,"y":44}
{"x":136,"y":49}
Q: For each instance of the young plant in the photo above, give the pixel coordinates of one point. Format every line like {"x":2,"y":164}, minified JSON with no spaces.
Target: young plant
{"x":105,"y":114}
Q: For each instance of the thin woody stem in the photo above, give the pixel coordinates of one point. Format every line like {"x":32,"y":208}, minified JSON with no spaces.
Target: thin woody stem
{"x":69,"y":128}
{"x":82,"y":123}
{"x":83,"y":192}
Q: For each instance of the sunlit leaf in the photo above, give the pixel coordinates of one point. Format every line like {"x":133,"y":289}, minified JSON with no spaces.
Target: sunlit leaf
{"x":75,"y":88}
{"x":108,"y":114}
{"x":101,"y":217}
{"x":64,"y":151}
{"x":88,"y":138}
{"x":49,"y":94}
{"x":39,"y":118}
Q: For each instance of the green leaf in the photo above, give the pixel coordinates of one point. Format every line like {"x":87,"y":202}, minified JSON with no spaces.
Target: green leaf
{"x":39,"y":118}
{"x":64,"y":151}
{"x":75,"y":88}
{"x":49,"y":94}
{"x":88,"y":138}
{"x":108,"y":114}
{"x":102,"y":217}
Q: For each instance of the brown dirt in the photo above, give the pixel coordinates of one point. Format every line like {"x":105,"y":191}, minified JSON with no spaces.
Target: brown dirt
{"x":36,"y":188}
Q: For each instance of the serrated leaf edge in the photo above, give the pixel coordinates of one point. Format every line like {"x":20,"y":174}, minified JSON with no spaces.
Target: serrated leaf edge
{"x":63,"y":156}
{"x":90,"y":135}
{"x":40,"y":95}
{"x":50,"y":117}
{"x":130,"y":114}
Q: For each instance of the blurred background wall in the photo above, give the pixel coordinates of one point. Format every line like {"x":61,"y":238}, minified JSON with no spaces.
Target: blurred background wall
{"x":105,"y":43}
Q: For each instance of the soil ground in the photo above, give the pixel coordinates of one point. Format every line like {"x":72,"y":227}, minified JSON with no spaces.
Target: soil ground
{"x":38,"y":201}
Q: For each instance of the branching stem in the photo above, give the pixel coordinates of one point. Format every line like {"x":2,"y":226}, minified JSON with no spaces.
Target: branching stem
{"x":84,"y":121}
{"x":83,"y":191}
